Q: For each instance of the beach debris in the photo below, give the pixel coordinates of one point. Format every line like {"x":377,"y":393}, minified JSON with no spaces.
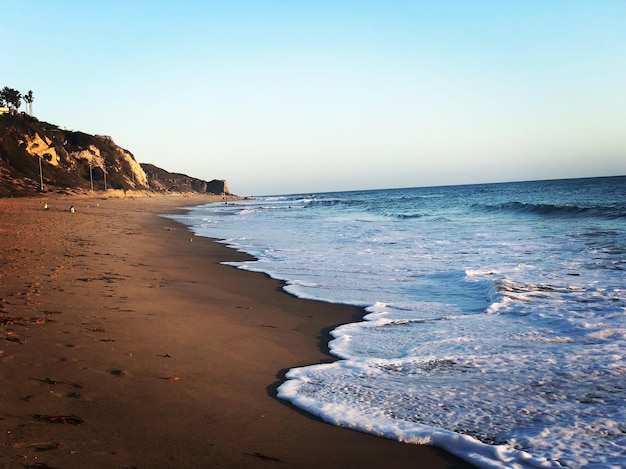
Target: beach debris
{"x":171,"y":378}
{"x":264,"y":457}
{"x":64,"y":419}
{"x":118,"y":372}
{"x":167,"y":355}
{"x":27,"y":398}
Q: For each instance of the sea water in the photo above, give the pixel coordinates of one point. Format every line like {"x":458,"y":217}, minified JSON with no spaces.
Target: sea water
{"x":497,"y":313}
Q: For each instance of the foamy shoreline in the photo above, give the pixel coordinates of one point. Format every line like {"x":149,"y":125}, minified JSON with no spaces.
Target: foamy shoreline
{"x":453,"y":276}
{"x":169,"y":358}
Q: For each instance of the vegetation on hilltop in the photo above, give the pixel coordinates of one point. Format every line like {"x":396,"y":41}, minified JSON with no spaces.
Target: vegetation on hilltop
{"x":13,"y":99}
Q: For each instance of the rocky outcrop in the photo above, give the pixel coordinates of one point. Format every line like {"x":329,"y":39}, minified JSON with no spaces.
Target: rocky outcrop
{"x":217,"y":186}
{"x":36,"y":146}
{"x":34,"y":153}
{"x":161,"y":180}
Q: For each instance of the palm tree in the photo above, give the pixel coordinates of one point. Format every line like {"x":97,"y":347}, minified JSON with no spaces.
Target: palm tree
{"x":29,"y":98}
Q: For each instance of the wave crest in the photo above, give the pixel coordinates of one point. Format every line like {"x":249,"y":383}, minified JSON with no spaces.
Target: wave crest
{"x":574,"y":211}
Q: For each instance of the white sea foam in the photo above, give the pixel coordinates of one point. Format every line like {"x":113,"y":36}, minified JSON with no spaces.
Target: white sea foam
{"x":496,"y":323}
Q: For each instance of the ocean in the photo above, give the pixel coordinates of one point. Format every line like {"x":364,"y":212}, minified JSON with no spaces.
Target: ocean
{"x":496,"y":325}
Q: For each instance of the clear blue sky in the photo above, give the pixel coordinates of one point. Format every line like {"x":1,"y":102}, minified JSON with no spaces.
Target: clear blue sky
{"x":297,"y":96}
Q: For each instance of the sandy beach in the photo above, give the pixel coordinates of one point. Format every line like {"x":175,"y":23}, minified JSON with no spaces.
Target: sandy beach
{"x":125,"y":344}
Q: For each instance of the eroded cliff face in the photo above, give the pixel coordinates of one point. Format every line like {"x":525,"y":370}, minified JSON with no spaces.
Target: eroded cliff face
{"x":40,"y":148}
{"x":32,"y":151}
{"x":123,"y":163}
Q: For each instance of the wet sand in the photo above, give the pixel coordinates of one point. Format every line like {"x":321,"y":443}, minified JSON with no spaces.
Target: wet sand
{"x":124,"y":344}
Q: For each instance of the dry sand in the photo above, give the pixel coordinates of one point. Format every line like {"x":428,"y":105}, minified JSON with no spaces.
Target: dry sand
{"x":124,"y":344}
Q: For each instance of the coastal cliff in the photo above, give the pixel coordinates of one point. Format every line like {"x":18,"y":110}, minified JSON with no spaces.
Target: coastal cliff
{"x":160,"y":180}
{"x":36,"y":156}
